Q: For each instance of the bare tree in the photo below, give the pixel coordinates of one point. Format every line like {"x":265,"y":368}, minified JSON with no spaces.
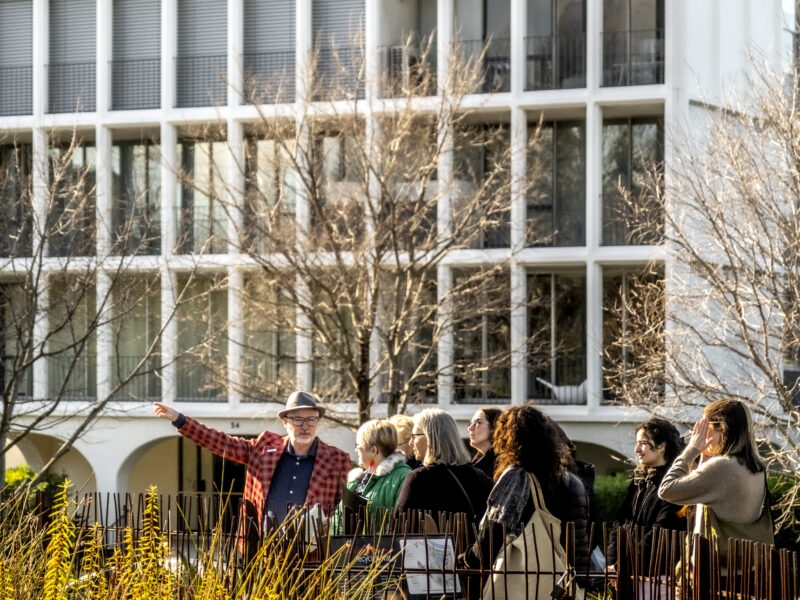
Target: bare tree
{"x":725,"y":320}
{"x":349,"y":212}
{"x":65,"y":299}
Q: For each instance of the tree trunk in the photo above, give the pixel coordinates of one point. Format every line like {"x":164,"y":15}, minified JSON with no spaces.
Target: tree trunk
{"x":394,"y":394}
{"x":364,"y":412}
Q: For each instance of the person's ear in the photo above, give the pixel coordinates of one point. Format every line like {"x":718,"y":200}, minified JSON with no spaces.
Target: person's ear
{"x":662,"y":448}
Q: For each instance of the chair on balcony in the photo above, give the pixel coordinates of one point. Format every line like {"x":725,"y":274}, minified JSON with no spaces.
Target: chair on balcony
{"x":568,"y":394}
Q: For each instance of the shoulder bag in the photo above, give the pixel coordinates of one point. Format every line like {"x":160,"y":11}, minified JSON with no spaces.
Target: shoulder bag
{"x":534,"y":564}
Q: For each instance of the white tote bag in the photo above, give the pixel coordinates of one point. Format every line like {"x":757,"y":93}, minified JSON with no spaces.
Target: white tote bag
{"x":537,"y":551}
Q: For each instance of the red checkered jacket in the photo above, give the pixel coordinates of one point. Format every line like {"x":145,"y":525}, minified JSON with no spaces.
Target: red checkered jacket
{"x":261,"y":456}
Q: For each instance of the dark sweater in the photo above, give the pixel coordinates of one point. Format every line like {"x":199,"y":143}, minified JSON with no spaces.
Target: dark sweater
{"x":486,"y":462}
{"x":643,"y":508}
{"x":432,"y":489}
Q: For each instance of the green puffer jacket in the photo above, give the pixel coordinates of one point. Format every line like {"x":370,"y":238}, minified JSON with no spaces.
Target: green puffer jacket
{"x":382,"y":489}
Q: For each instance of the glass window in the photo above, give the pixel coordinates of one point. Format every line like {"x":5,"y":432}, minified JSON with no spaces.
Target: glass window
{"x":71,"y":223}
{"x":482,"y":329}
{"x":557,"y":338}
{"x":633,"y":344}
{"x":202,"y":315}
{"x":557,"y":197}
{"x":202,"y":221}
{"x":633,"y":42}
{"x":15,"y":196}
{"x":632,"y":179}
{"x":136,"y":172}
{"x":72,"y":360}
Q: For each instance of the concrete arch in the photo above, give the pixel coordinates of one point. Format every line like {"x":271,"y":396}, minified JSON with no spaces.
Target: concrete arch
{"x":154,"y":462}
{"x":36,"y":448}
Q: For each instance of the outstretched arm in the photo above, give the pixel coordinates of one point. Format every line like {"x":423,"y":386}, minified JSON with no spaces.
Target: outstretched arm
{"x":218,"y":442}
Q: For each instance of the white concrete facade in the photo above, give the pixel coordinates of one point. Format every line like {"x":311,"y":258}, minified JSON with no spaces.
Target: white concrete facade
{"x":704,"y":51}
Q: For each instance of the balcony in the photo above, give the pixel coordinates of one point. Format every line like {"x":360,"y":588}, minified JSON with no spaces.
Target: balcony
{"x":136,"y":84}
{"x":201,"y":233}
{"x":72,"y":239}
{"x":196,"y":382}
{"x":407,"y":68}
{"x":558,"y":379}
{"x":339,"y":74}
{"x":496,"y":62}
{"x":71,"y":87}
{"x":269,"y":77}
{"x":15,"y":235}
{"x":79,"y":373}
{"x":145,"y":383}
{"x":555,"y":62}
{"x":201,"y":80}
{"x":16,"y":90}
{"x":633,"y":57}
{"x":137,"y":232}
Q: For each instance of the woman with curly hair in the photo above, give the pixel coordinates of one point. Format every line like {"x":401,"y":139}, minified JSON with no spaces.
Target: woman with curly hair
{"x":526,"y":442}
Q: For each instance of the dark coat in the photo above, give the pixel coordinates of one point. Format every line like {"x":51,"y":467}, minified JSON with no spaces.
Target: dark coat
{"x":569,"y":503}
{"x":643,"y":508}
{"x":486,"y":462}
{"x":433,"y":490}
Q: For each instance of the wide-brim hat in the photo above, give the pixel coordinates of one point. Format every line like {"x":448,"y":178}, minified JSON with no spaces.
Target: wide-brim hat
{"x":299,"y":400}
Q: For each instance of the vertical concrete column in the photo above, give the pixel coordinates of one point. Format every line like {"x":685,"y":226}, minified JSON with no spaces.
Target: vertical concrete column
{"x":519,"y":21}
{"x":103,"y":36}
{"x":444,"y":274}
{"x":304,"y":51}
{"x":519,"y":325}
{"x":373,"y":139}
{"x":40,"y":178}
{"x":236,"y":183}
{"x":594,"y":272}
{"x":169,"y":50}
{"x":169,"y":193}
{"x":41,"y":48}
{"x":372,"y":67}
{"x":445,"y":18}
{"x":103,"y":225}
{"x":235,"y":335}
{"x":303,"y":90}
{"x":235,"y":52}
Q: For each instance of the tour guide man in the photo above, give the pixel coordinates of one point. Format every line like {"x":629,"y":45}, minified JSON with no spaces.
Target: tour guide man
{"x":297,"y":469}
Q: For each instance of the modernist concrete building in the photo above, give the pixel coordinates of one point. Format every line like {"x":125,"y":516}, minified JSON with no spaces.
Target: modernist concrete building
{"x":608,"y":78}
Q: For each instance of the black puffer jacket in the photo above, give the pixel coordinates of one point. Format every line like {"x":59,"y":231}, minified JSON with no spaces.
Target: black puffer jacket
{"x":569,"y":503}
{"x":643,"y":508}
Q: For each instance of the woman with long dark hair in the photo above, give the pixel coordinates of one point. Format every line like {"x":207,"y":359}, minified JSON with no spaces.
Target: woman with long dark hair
{"x":526,"y":442}
{"x":658,"y":444}
{"x":480,"y":430}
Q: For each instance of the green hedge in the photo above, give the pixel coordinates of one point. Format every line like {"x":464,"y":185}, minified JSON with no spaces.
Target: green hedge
{"x":609,"y":491}
{"x":16,"y":476}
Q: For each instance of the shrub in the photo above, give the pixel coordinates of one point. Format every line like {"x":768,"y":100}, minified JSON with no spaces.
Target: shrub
{"x":609,"y":490}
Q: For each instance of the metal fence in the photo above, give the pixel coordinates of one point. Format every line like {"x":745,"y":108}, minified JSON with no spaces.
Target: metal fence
{"x":415,"y":554}
{"x":72,"y":87}
{"x":269,"y":78}
{"x":495,"y":58}
{"x":16,"y":90}
{"x":633,"y":57}
{"x":144,"y":379}
{"x":201,"y":80}
{"x":555,"y":62}
{"x":407,"y":68}
{"x":72,"y":377}
{"x":135,"y":84}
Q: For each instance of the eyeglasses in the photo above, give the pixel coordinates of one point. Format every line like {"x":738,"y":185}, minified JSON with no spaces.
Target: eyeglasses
{"x":643,"y":444}
{"x":300,"y":421}
{"x":476,"y":422}
{"x":416,"y":435}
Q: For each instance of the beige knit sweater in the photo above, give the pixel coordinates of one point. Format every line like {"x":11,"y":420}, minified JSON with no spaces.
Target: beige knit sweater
{"x":721,"y":483}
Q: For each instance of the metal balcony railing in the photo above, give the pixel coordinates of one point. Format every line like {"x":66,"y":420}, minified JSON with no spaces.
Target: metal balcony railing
{"x":136,"y":232}
{"x":495,"y":387}
{"x":16,"y":90}
{"x":339,"y":74}
{"x":407,"y":67}
{"x":633,"y":57}
{"x":555,"y":62}
{"x":145,"y":383}
{"x":24,"y":381}
{"x":200,"y":234}
{"x":496,"y":75}
{"x":73,"y":240}
{"x":72,"y":87}
{"x":196,"y":382}
{"x":201,"y":80}
{"x":557,"y":379}
{"x":135,"y":84}
{"x":15,"y":234}
{"x":269,"y":78}
{"x":80,"y":374}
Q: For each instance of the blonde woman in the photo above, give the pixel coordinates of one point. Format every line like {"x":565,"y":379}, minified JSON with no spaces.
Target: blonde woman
{"x":405,"y":425}
{"x":381,"y":471}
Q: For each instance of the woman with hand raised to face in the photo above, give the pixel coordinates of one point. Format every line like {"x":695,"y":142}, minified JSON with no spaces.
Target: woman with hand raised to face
{"x":721,"y":471}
